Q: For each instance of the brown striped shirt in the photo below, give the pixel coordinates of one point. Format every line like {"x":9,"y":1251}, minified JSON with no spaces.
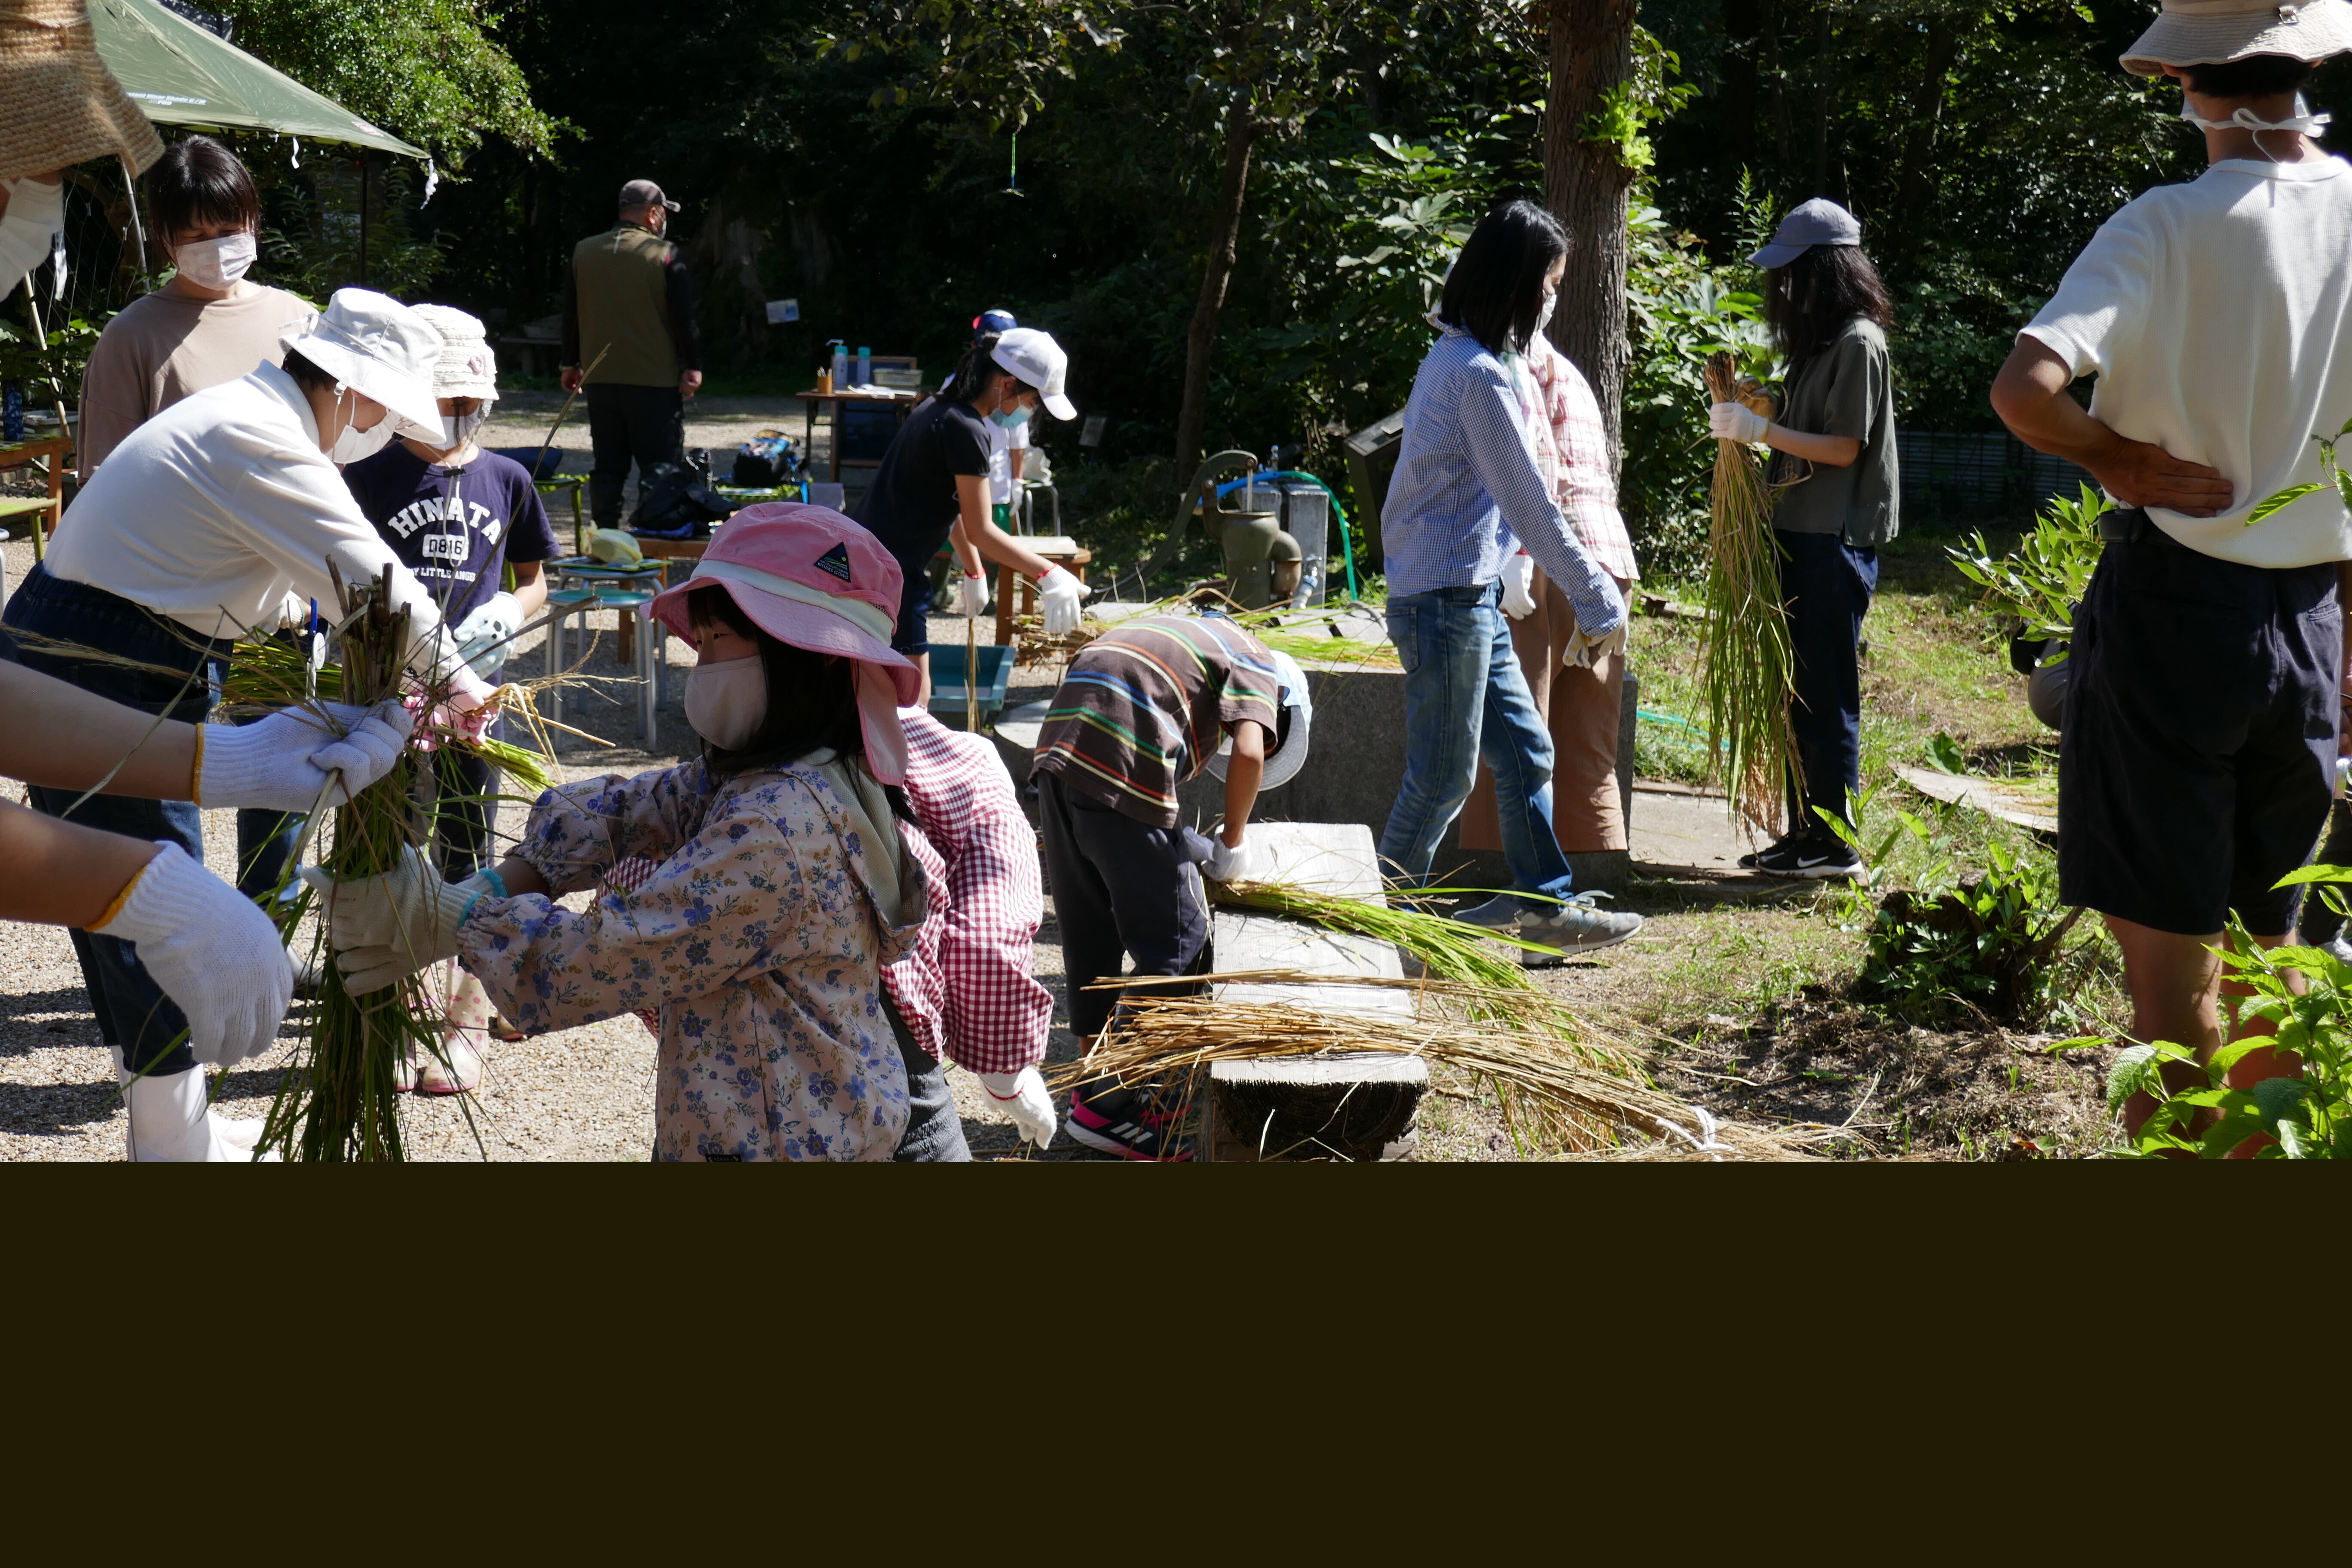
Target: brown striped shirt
{"x":1144,"y":705}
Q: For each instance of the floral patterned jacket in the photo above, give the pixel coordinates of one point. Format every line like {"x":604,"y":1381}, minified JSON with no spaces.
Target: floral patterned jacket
{"x":759,"y":939}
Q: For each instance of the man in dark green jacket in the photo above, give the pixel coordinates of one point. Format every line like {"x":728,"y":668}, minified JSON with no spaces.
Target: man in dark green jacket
{"x":628,"y":299}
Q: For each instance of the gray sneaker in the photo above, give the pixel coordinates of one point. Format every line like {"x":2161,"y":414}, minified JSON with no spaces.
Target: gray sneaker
{"x":1577,"y":926}
{"x":1500,"y":912}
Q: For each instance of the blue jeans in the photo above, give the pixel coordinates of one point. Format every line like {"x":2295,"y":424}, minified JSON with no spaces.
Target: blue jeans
{"x":1467,"y":697}
{"x":133,"y":1013}
{"x":1826,"y":585}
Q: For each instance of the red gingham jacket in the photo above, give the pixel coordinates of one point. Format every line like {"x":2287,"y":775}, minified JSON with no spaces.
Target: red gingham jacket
{"x":1586,"y":491}
{"x":964,"y":990}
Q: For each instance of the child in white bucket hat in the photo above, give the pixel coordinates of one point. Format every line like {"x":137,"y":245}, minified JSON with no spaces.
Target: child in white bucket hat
{"x":461,"y":519}
{"x":195,"y":530}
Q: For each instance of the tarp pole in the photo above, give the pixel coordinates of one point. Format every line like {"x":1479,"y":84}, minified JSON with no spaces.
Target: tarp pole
{"x":363,"y":217}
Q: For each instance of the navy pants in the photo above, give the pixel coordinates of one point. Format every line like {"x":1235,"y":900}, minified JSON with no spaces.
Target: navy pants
{"x":934,"y":1133}
{"x":132,"y":1011}
{"x":1826,"y":585}
{"x":1120,"y":886}
{"x":646,"y":425}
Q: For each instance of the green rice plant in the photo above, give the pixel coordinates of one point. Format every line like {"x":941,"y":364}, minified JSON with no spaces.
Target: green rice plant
{"x":1746,"y":667}
{"x":2038,"y":585}
{"x":1450,"y":950}
{"x":2302,"y":1004}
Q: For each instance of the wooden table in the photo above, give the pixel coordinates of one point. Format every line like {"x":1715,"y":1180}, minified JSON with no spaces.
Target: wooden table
{"x":1060,"y":553}
{"x":16,"y":455}
{"x":832,"y":459}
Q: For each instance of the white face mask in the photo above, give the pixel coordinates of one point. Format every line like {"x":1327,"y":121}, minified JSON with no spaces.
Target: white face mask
{"x":352,"y":444}
{"x":216,"y":263}
{"x":1543,"y":316}
{"x":728,"y":702}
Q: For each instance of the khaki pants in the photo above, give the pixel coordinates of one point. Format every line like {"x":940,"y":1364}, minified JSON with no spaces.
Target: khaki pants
{"x":1580,"y":708}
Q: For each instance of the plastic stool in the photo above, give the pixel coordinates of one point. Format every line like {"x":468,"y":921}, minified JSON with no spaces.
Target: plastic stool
{"x":650,"y":670}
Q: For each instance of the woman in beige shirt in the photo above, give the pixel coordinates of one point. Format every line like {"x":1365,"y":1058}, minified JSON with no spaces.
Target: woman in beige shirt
{"x":209,"y":325}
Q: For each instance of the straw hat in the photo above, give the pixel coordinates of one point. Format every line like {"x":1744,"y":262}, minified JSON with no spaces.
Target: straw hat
{"x":59,"y":103}
{"x":2214,"y":32}
{"x":468,"y":367}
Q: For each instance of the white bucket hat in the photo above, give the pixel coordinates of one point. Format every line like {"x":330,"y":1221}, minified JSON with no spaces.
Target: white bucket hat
{"x":1289,"y":753}
{"x":1037,"y":359}
{"x":380,"y":349}
{"x":468,"y":367}
{"x":2214,"y":32}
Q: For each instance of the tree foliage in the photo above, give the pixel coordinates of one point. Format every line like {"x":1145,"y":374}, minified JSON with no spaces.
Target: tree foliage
{"x":429,"y":71}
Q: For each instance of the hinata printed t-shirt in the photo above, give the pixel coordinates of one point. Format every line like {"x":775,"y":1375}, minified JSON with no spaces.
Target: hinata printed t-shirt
{"x":454,"y":526}
{"x":1145,"y":705}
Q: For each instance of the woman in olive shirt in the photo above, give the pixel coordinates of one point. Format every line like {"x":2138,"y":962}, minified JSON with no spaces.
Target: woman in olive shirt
{"x":1834,"y":464}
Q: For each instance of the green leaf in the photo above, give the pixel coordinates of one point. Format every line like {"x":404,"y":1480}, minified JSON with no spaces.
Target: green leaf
{"x":2135,"y":1068}
{"x":2271,"y":503}
{"x":2278,"y":1098}
{"x":2314,"y":874}
{"x":1946,"y":753}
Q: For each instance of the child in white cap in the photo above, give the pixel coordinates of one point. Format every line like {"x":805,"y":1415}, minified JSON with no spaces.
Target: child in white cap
{"x":460,"y":518}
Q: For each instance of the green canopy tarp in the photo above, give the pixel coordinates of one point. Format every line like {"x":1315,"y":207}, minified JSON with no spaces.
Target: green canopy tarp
{"x":182,"y":75}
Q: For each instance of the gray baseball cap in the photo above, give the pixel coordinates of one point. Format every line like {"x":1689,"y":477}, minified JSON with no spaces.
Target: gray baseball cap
{"x":1817,"y":222}
{"x":645,"y":194}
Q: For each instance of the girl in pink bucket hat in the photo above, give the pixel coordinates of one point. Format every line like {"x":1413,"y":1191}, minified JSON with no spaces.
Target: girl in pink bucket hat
{"x":783,"y":887}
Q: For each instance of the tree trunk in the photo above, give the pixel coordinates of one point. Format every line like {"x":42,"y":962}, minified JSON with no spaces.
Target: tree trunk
{"x":1779,"y":83}
{"x":1914,"y":182}
{"x":1242,"y":132}
{"x":1821,"y":89}
{"x":1584,"y":186}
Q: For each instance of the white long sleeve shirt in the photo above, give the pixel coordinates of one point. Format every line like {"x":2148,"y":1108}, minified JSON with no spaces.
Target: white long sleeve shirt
{"x":214,"y":510}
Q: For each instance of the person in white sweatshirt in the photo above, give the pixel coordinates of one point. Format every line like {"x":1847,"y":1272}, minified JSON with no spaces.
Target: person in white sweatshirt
{"x":197,"y":529}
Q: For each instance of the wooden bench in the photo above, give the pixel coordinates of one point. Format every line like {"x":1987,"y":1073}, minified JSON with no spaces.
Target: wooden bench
{"x":1353,"y":1106}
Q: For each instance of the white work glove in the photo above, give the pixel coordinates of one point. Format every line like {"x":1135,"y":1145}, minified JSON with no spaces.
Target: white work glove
{"x":382,"y":928}
{"x":971,"y":598}
{"x":1736,"y":422}
{"x":1023,"y":1095}
{"x":1584,"y":652}
{"x":1059,"y":594}
{"x":281,"y":762}
{"x":212,"y":950}
{"x":1235,"y":862}
{"x":485,"y":639}
{"x":1519,"y":586}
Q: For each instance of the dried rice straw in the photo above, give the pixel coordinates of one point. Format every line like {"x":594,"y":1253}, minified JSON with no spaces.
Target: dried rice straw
{"x":1554,"y":1094}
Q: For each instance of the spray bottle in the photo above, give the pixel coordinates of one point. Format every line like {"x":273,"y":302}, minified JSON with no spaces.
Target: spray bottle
{"x":840,"y":364}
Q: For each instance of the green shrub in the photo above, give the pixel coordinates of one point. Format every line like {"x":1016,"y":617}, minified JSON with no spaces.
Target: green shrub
{"x":2310,"y":1116}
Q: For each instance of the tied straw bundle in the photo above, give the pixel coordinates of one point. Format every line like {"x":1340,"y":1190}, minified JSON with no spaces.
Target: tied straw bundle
{"x":1748,"y":670}
{"x":337,"y":1102}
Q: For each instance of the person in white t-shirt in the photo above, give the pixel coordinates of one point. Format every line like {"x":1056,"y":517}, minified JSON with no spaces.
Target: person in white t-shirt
{"x":2201,"y":725}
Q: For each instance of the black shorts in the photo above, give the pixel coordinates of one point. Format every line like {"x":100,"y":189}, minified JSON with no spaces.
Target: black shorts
{"x":2200,"y":747}
{"x":913,"y":636}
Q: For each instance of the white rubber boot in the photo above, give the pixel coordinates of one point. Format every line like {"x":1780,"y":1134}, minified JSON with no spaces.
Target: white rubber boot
{"x":171,"y":1125}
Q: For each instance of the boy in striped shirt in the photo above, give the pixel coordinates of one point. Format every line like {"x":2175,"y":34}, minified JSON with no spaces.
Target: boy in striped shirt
{"x":1144,"y":708}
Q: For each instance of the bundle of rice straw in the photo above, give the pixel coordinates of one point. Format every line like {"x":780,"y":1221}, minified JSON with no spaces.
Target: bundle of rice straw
{"x":1747,"y":668}
{"x":338,"y":1102}
{"x":1556,"y":1094}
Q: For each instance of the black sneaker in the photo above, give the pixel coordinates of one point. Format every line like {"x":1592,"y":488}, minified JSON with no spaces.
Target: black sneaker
{"x":1123,"y":1122}
{"x":1753,"y":858}
{"x":1810,"y":859}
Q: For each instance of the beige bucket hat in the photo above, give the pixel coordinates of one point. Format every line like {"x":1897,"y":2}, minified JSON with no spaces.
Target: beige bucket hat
{"x":2214,"y":32}
{"x":59,"y":103}
{"x":468,"y":367}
